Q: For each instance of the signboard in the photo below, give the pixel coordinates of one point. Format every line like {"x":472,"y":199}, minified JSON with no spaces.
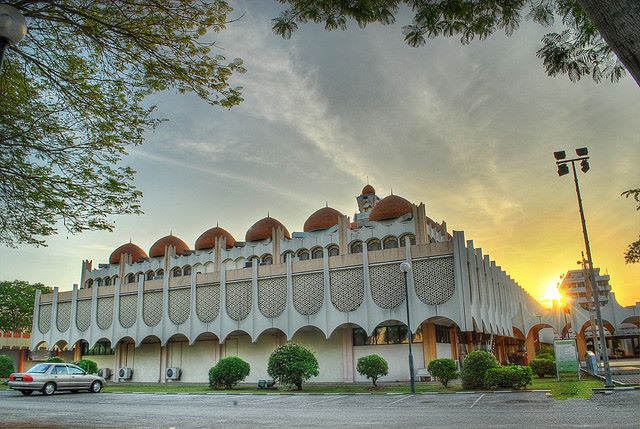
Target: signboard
{"x":566,"y":357}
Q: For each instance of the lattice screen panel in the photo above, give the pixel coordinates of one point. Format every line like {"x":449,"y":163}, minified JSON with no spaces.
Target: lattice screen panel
{"x":179,"y":305}
{"x":152,"y":308}
{"x":105,"y":312}
{"x":347,"y":289}
{"x":83,"y":314}
{"x":272,"y":296}
{"x":433,"y":279}
{"x":308,"y":293}
{"x":208,"y":302}
{"x":44,"y":318}
{"x":387,"y":285}
{"x":128,"y":310}
{"x":238,"y":300}
{"x":63,"y":319}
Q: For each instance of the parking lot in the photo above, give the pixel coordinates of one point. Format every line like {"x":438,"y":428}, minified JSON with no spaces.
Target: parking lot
{"x":472,"y":410}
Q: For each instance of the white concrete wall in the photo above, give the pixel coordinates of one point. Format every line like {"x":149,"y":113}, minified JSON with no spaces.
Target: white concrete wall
{"x":145,"y":361}
{"x":103,"y":361}
{"x":195,"y":361}
{"x":443,"y":350}
{"x":328,"y":353}
{"x":397,"y":357}
{"x":255,"y":354}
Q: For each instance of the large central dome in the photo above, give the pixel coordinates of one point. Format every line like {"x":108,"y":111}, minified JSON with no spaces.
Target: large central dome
{"x":390,"y":207}
{"x":136,"y":252}
{"x":324,"y":218}
{"x":159,"y":246}
{"x":261,"y":230}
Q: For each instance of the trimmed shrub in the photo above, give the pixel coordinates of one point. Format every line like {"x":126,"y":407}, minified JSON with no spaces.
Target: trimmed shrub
{"x":89,"y":366}
{"x":228,"y":372}
{"x":512,"y":377}
{"x":6,"y":366}
{"x":546,"y":356}
{"x":542,"y":367}
{"x":547,"y":351}
{"x":292,"y":364}
{"x":444,"y":370}
{"x":55,"y":359}
{"x":373,"y":367}
{"x":475,"y":366}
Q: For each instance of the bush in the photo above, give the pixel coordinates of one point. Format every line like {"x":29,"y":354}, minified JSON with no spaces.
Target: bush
{"x":475,"y":366}
{"x":292,"y":364}
{"x":89,"y":366}
{"x":373,"y":367}
{"x":55,"y":359}
{"x":228,"y":372}
{"x":512,"y":377}
{"x":547,"y":351}
{"x":444,"y":370}
{"x":542,"y":367}
{"x":546,"y":356}
{"x":6,"y":366}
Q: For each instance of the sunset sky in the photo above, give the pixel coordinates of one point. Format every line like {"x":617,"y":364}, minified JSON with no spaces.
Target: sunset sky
{"x":468,"y":130}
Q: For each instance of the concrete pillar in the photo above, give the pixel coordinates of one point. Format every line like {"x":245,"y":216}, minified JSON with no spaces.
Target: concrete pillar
{"x":582,"y":346}
{"x":530,"y":345}
{"x":21,"y":361}
{"x":429,"y":342}
{"x":469,"y":340}
{"x":347,"y":355}
{"x":163,"y":362}
{"x":453,"y":335}
{"x":77,"y":351}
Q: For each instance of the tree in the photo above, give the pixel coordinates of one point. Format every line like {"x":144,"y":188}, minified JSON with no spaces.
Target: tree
{"x":228,"y":372}
{"x":474,"y":368}
{"x":292,"y":364}
{"x":593,"y":29}
{"x":6,"y":366}
{"x":444,"y":370}
{"x":16,"y":304}
{"x":89,"y":366}
{"x":73,"y":101}
{"x":632,"y":254}
{"x":373,"y":367}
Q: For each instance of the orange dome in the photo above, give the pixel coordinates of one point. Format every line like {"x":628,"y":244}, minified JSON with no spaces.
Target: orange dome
{"x":261,"y":230}
{"x":324,"y":218}
{"x":136,"y":252}
{"x":208,"y":238}
{"x":390,"y":207}
{"x":170,"y":240}
{"x":368,"y":190}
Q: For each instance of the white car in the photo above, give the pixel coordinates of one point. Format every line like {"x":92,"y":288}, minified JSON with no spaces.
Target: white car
{"x":50,"y":377}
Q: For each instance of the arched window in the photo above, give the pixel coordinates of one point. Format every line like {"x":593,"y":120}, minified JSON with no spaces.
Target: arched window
{"x":131,"y":278}
{"x":114,"y":279}
{"x":177,"y":272}
{"x":333,"y":250}
{"x":150,"y":275}
{"x":356,"y":247}
{"x":374,"y":244}
{"x":159,"y":274}
{"x":285,"y":254}
{"x":390,"y":242}
{"x":89,"y":283}
{"x":303,"y":254}
{"x":98,"y":282}
{"x":186,"y":271}
{"x":107,"y":281}
{"x":412,"y":239}
{"x":266,"y":259}
{"x":316,"y":253}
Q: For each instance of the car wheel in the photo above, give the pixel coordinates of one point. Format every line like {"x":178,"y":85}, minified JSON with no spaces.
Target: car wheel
{"x":96,"y":387}
{"x":49,"y":389}
{"x":26,"y":392}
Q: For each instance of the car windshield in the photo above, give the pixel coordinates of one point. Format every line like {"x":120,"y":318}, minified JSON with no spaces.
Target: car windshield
{"x":41,"y":368}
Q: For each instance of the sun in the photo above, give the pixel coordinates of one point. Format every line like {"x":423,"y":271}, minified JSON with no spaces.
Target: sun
{"x":551,"y":294}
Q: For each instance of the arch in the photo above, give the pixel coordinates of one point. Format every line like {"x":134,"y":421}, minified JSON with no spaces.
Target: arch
{"x":333,"y":250}
{"x":307,"y":328}
{"x":402,"y":239}
{"x":41,"y":345}
{"x":88,"y":284}
{"x":107,"y":281}
{"x":283,"y":256}
{"x":374,"y":244}
{"x":150,"y":339}
{"x":61,"y":345}
{"x":605,"y":323}
{"x":114,"y":279}
{"x":517,"y":333}
{"x":100,"y":340}
{"x":271,"y":331}
{"x":302,"y":254}
{"x":178,"y":337}
{"x":138,"y":274}
{"x":266,"y":259}
{"x":125,"y":339}
{"x":206,"y":335}
{"x":237,"y":332}
{"x":633,"y":320}
{"x":317,"y":253}
{"x":159,"y":273}
{"x":131,"y":278}
{"x":390,"y":242}
{"x":98,"y":282}
{"x":337,"y":329}
{"x":150,"y":275}
{"x":355,"y":246}
{"x":186,"y":270}
{"x":176,"y":272}
{"x":209,"y":267}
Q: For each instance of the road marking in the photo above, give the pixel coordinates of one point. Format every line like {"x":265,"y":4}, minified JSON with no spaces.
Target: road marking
{"x":401,"y":399}
{"x":333,"y":398}
{"x":477,"y":400}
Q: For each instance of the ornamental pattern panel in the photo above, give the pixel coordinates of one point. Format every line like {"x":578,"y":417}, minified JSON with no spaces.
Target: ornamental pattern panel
{"x":433,"y":280}
{"x":63,"y":319}
{"x":83,"y":315}
{"x":208,"y":302}
{"x":179,"y":305}
{"x":272,"y":296}
{"x":105,"y":312}
{"x":347,"y":289}
{"x":308,"y":293}
{"x":44,"y":318}
{"x":152,"y":308}
{"x":387,"y":285}
{"x":238,"y":300}
{"x":128,"y":310}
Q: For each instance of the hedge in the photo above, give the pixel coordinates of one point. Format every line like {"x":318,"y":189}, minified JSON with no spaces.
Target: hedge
{"x":542,"y":367}
{"x":511,"y":376}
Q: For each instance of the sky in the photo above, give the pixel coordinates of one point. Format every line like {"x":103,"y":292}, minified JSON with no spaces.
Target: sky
{"x":468,"y":130}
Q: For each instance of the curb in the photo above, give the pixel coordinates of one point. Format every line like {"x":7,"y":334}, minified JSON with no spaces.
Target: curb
{"x":335,"y":394}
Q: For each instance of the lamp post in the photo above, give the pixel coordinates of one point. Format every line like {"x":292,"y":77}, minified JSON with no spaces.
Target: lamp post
{"x":405,"y":267}
{"x":563,"y":168}
{"x":13,"y":28}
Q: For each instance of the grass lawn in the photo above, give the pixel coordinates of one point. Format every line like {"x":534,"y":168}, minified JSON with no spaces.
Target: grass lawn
{"x":566,"y":389}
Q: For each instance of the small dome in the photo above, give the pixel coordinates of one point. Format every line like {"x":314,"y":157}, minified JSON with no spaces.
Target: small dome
{"x":324,"y":218}
{"x":208,"y":238}
{"x":158,"y":247}
{"x":390,"y":207}
{"x":368,"y":190}
{"x":136,"y":252}
{"x":261,"y":230}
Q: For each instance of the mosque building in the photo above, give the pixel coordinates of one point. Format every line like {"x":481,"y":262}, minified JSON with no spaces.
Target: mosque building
{"x":336,"y":288}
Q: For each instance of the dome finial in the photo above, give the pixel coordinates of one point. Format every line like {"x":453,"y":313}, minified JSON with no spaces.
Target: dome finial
{"x":392,"y":190}
{"x":326,"y":203}
{"x":171,"y":231}
{"x":268,"y":214}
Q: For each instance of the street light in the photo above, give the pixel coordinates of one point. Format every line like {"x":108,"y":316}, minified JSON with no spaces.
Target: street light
{"x":405,"y":267}
{"x":563,"y":169}
{"x":13,"y":28}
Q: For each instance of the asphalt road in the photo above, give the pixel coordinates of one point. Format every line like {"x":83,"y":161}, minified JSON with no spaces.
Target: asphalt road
{"x":477,"y":410}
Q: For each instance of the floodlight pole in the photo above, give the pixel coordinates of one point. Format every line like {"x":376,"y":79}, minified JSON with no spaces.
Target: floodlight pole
{"x":592,"y":278}
{"x":405,"y":267}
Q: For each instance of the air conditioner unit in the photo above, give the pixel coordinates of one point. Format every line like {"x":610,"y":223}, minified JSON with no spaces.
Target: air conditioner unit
{"x":173,"y":373}
{"x":104,"y":373}
{"x":125,"y":373}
